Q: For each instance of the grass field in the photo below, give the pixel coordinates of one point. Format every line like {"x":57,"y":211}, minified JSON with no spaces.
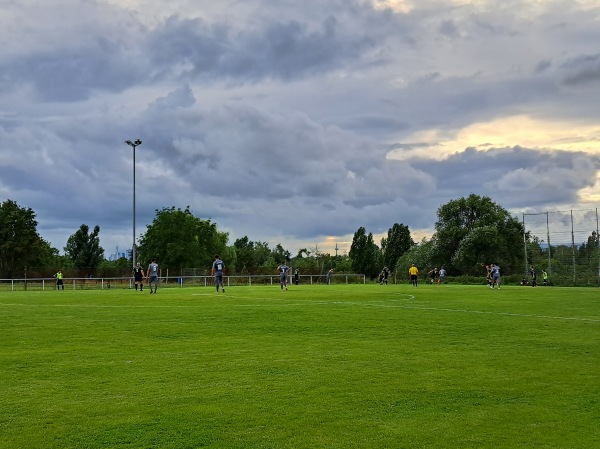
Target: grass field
{"x":340,"y":366}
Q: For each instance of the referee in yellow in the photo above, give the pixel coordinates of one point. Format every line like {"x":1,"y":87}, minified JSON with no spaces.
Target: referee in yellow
{"x":413,"y":273}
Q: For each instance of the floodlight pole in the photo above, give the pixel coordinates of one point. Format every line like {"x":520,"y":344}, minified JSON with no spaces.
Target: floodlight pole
{"x":133,"y":144}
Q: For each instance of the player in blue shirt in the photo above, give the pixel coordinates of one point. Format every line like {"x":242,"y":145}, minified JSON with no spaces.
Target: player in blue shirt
{"x":495,"y":275}
{"x":217,"y":271}
{"x":282,"y":270}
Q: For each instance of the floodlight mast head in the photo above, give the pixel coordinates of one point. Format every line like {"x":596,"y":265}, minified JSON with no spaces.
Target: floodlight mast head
{"x":134,"y":143}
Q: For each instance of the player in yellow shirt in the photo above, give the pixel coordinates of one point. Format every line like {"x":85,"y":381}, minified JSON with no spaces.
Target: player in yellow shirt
{"x":413,"y":272}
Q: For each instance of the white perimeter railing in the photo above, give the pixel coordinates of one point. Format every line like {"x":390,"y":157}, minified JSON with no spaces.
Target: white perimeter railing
{"x":171,"y":281}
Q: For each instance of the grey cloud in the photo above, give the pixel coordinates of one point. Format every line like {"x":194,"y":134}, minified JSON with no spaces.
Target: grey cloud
{"x":283,"y":50}
{"x":73,"y":74}
{"x":517,"y":177}
{"x":583,"y":70}
{"x":543,"y":66}
{"x":448,"y":28}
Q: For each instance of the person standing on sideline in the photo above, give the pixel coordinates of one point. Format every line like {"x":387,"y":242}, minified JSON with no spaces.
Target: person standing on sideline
{"x":413,"y":272}
{"x":217,"y":271}
{"x":533,"y":276}
{"x":138,"y":276}
{"x":153,"y":275}
{"x":296,"y":276}
{"x":442,"y":275}
{"x":545,"y":277}
{"x":282,"y":269}
{"x":59,"y":280}
{"x":495,"y":275}
{"x":328,"y":277}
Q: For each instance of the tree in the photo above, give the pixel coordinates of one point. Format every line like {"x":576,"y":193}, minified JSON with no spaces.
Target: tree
{"x":398,"y":241}
{"x":83,"y":248}
{"x":280,"y":254}
{"x":419,"y":254}
{"x":244,"y":249}
{"x":475,"y":230}
{"x":20,"y":244}
{"x":178,"y":239}
{"x":364,"y":254}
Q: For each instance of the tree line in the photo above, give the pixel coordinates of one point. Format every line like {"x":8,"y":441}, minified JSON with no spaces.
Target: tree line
{"x":469,"y":233}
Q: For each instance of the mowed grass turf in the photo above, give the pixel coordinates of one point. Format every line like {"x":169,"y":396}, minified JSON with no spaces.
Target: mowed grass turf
{"x":340,"y":366}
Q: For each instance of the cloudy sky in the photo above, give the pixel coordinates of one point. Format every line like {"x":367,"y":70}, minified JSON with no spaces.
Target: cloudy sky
{"x":295,"y":122}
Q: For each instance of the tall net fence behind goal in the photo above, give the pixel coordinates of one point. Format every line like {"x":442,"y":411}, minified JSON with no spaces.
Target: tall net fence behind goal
{"x":565,"y":244}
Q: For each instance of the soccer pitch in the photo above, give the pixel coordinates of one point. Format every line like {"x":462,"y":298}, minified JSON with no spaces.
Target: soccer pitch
{"x":339,"y":366}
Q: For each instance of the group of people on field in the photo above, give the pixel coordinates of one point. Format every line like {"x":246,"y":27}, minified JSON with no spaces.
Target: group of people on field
{"x":533,"y":275}
{"x":434,"y":275}
{"x":493,"y":275}
{"x":218,"y":269}
{"x":151,"y":274}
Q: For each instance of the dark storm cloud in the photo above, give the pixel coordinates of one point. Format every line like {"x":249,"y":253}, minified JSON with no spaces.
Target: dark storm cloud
{"x":283,"y":50}
{"x":185,"y":49}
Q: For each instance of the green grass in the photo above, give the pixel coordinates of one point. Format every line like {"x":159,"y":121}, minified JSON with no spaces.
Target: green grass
{"x":360,"y":366}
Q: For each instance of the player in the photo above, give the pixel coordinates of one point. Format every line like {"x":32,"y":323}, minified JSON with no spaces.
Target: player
{"x":432,"y":275}
{"x":138,"y":277}
{"x":59,"y":280}
{"x":385,"y":273}
{"x":545,"y":277}
{"x":442,"y":276}
{"x":217,"y":271}
{"x":282,"y":269}
{"x":413,"y":272}
{"x":495,"y":268}
{"x":533,"y":276}
{"x":152,"y":274}
{"x":488,"y":275}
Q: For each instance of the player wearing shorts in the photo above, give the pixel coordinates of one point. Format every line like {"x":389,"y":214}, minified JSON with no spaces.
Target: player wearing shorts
{"x":153,"y":275}
{"x":138,"y":277}
{"x":413,"y":272}
{"x":217,"y":271}
{"x":282,"y":269}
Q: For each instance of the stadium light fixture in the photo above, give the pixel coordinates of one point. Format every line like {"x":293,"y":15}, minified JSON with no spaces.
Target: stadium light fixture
{"x":133,"y":144}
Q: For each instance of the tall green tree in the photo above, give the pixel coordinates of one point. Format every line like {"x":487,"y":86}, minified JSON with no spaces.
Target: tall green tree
{"x":398,"y":241}
{"x":280,"y":254}
{"x":419,"y":254}
{"x":475,"y":230}
{"x":256,"y":257}
{"x":244,"y":249}
{"x":20,"y":244}
{"x":83,"y":248}
{"x":364,"y":254}
{"x":178,"y":239}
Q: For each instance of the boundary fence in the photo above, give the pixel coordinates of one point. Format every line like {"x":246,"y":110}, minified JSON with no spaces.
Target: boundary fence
{"x":564,"y":243}
{"x":37,"y":284}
